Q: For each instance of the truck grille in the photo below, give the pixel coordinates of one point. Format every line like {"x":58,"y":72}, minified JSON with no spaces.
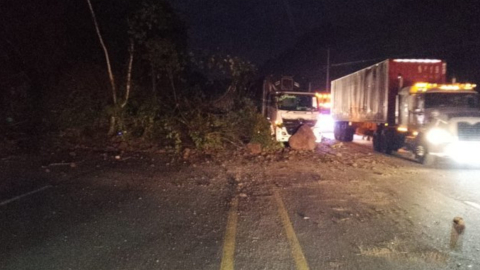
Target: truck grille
{"x":467,"y":132}
{"x":293,"y":124}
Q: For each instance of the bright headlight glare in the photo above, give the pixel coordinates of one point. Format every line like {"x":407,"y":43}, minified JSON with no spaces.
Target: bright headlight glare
{"x":439,"y":136}
{"x":324,"y":121}
{"x":464,"y":152}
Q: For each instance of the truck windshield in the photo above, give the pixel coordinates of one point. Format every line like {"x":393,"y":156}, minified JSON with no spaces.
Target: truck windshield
{"x":291,"y":102}
{"x":456,"y":100}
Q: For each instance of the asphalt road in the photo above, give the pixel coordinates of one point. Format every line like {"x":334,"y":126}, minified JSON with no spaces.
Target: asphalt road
{"x":342,"y":207}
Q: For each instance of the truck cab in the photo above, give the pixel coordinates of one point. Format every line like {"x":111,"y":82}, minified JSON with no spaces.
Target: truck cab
{"x":287,"y":111}
{"x":287,"y":108}
{"x":440,"y":120}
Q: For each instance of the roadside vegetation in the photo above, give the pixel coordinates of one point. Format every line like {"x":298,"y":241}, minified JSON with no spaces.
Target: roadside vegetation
{"x":136,"y":86}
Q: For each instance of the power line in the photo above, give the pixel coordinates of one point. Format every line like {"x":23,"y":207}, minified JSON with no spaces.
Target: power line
{"x":355,"y":62}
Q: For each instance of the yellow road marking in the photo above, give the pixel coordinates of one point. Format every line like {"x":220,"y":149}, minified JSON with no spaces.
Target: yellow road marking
{"x":297,"y":252}
{"x":228,"y":255}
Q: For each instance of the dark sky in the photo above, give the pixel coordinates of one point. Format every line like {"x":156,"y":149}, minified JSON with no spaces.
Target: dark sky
{"x":283,"y":37}
{"x":260,"y":30}
{"x":294,"y":34}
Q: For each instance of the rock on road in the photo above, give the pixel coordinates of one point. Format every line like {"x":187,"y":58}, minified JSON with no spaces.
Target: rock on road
{"x":340,"y":207}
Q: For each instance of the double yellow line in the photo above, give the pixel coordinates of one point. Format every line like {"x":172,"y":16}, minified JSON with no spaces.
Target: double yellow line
{"x":228,"y":255}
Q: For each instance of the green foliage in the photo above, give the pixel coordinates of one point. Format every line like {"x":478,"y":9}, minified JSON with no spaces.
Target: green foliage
{"x":205,"y":130}
{"x":192,"y":124}
{"x":234,"y":73}
{"x":168,"y":118}
{"x":155,"y":20}
{"x":253,"y":127}
{"x":215,"y":131}
{"x":262,"y":134}
{"x":160,"y":37}
{"x":172,"y":133}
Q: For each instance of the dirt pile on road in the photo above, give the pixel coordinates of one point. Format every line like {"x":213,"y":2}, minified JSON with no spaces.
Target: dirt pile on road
{"x":249,"y":169}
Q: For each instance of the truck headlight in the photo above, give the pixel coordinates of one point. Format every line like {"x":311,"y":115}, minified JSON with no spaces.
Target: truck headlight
{"x":439,"y":136}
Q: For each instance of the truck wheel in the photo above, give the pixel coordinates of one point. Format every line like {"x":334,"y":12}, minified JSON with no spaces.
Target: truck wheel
{"x":339,"y":132}
{"x":348,"y":134}
{"x":336,"y":131}
{"x":387,"y":139}
{"x":429,"y":160}
{"x":343,"y":132}
{"x":376,"y":143}
{"x":422,"y":156}
{"x":388,"y":150}
{"x":381,"y":143}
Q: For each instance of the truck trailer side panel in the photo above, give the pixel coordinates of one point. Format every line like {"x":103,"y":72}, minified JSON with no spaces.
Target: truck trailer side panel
{"x":369,"y":95}
{"x":361,"y":96}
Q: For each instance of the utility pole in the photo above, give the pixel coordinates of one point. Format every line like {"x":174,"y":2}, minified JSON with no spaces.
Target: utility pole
{"x":327,"y":79}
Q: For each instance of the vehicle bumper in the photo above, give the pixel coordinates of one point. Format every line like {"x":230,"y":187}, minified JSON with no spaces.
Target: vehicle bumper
{"x":282,"y":135}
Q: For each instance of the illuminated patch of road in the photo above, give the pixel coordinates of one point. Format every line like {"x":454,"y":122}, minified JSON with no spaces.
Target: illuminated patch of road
{"x":228,"y":255}
{"x":24,"y":195}
{"x":295,"y":247}
{"x":476,"y":205}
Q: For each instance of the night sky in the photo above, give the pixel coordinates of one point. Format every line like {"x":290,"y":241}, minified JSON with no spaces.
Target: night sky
{"x":282,"y":37}
{"x":260,"y":30}
{"x":293,"y":35}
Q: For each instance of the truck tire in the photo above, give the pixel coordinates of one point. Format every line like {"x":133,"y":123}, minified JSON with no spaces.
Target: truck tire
{"x":382,"y":142}
{"x":429,"y":160}
{"x":423,"y":157}
{"x":337,"y":131}
{"x":389,"y":141}
{"x":349,"y":132}
{"x":388,"y":147}
{"x":343,"y":132}
{"x":376,"y":143}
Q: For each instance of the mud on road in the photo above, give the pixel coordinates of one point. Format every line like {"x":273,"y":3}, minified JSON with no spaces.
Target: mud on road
{"x":340,"y":207}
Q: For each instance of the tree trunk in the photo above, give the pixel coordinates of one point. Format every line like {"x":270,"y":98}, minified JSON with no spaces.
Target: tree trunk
{"x":129,"y":75}
{"x":113,"y":125}
{"x":105,"y":51}
{"x":172,"y":84}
